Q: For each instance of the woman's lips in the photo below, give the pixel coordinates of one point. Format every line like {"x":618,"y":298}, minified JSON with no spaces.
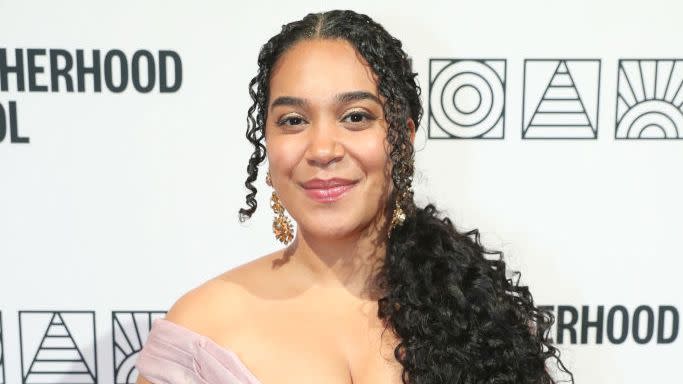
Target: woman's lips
{"x":327,"y":195}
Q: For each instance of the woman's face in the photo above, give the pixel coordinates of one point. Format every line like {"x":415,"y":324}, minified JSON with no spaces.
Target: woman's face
{"x":325,"y":121}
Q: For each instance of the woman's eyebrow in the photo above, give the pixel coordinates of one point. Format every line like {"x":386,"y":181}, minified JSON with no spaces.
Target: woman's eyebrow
{"x":341,"y":98}
{"x":356,"y":95}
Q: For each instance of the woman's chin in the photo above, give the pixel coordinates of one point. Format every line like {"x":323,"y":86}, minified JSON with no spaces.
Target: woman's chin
{"x":329,"y":230}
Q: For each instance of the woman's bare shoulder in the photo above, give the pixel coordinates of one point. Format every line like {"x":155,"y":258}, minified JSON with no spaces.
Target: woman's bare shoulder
{"x":222,"y":300}
{"x":221,"y":306}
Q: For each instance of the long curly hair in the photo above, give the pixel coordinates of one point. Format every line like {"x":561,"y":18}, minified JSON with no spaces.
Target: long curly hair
{"x":459,"y":318}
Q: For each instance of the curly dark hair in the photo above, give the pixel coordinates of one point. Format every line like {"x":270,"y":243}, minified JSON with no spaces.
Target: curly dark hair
{"x":458,"y":317}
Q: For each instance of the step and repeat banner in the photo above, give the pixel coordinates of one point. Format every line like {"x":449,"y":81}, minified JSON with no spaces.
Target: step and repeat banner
{"x":555,"y":128}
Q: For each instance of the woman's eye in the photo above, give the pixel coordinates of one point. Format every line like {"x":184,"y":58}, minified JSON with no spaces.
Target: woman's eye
{"x":291,"y":120}
{"x":357,"y":117}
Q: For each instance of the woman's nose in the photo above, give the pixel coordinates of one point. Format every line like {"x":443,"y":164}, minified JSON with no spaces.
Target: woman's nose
{"x":324,"y":146}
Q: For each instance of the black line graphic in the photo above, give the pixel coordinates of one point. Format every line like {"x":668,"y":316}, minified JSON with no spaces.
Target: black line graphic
{"x":466,"y":99}
{"x":568,"y":106}
{"x":129,"y":332}
{"x":57,"y":357}
{"x":649,"y":103}
{"x":2,"y":355}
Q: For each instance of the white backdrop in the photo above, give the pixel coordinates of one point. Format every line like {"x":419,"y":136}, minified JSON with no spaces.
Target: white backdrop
{"x":120,"y":202}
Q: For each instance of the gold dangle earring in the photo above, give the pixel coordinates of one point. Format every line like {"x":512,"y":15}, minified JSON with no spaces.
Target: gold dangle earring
{"x":398,"y":216}
{"x":404,"y":204}
{"x":282,"y":227}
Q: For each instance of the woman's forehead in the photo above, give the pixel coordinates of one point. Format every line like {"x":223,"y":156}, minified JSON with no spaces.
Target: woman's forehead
{"x":320,"y":69}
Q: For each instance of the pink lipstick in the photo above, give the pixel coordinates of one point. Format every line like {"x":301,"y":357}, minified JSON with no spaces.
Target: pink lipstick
{"x":327,"y":191}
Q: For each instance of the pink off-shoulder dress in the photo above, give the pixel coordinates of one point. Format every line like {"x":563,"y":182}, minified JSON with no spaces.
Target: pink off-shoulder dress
{"x":174,"y":354}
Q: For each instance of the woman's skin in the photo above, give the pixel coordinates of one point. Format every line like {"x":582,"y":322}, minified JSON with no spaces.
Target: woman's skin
{"x":306,"y":313}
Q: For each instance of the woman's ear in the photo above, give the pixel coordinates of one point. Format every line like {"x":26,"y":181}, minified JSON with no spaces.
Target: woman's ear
{"x":411,"y":126}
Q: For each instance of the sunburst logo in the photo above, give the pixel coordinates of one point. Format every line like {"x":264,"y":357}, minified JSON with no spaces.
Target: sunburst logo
{"x":649,"y":99}
{"x":130,"y":331}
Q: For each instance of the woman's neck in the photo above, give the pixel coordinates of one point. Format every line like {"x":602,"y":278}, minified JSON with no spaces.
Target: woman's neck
{"x":349,"y":263}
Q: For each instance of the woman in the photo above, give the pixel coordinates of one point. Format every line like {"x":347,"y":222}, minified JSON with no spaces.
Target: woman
{"x":371,"y":288}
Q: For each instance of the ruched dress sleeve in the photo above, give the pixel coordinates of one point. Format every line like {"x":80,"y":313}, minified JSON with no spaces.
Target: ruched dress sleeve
{"x":173,"y":354}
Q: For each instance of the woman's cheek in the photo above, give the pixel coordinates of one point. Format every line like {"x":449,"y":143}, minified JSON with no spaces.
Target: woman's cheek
{"x":375,"y":151}
{"x":282,"y":155}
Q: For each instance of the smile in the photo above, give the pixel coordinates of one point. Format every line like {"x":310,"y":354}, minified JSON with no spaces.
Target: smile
{"x":329,"y":194}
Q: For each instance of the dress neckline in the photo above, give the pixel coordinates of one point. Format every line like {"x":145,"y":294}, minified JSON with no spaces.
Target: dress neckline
{"x":227,"y":351}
